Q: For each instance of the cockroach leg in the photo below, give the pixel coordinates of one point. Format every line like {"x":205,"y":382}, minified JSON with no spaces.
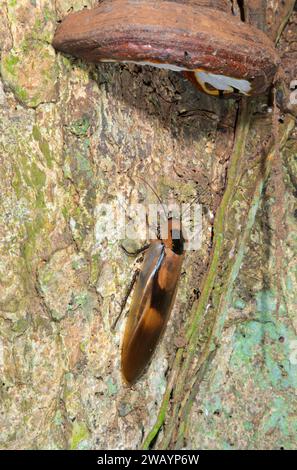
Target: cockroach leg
{"x":124,"y":301}
{"x":137,"y":252}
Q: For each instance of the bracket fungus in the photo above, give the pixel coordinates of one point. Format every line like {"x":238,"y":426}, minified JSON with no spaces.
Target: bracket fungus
{"x":213,"y":48}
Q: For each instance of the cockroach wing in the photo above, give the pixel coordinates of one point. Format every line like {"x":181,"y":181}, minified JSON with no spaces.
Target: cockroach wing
{"x":152,"y":302}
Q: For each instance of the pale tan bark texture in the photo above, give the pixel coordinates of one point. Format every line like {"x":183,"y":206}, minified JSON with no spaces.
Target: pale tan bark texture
{"x":74,"y":135}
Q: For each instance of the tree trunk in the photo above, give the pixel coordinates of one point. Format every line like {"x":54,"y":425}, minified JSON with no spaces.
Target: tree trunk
{"x":75,"y":135}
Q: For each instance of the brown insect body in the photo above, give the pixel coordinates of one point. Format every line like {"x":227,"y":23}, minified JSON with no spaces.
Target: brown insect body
{"x":152,"y":301}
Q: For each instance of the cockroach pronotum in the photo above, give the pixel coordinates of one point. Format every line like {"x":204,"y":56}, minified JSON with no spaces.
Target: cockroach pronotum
{"x":152,"y":301}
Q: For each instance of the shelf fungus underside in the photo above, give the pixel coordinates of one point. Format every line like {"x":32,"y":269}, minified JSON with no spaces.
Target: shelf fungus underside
{"x":213,"y":49}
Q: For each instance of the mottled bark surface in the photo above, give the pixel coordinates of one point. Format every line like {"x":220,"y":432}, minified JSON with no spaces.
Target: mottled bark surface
{"x":74,"y":135}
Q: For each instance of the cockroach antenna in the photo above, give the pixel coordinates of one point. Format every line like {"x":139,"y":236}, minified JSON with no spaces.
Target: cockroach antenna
{"x":155,"y":193}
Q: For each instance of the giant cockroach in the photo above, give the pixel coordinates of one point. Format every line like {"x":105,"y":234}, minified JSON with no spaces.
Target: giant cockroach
{"x":152,"y":301}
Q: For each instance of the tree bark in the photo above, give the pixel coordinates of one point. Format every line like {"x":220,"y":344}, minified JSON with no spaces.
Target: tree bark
{"x":74,"y":135}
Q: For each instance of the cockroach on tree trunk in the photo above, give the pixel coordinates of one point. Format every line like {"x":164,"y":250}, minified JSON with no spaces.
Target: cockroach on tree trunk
{"x":152,"y":301}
